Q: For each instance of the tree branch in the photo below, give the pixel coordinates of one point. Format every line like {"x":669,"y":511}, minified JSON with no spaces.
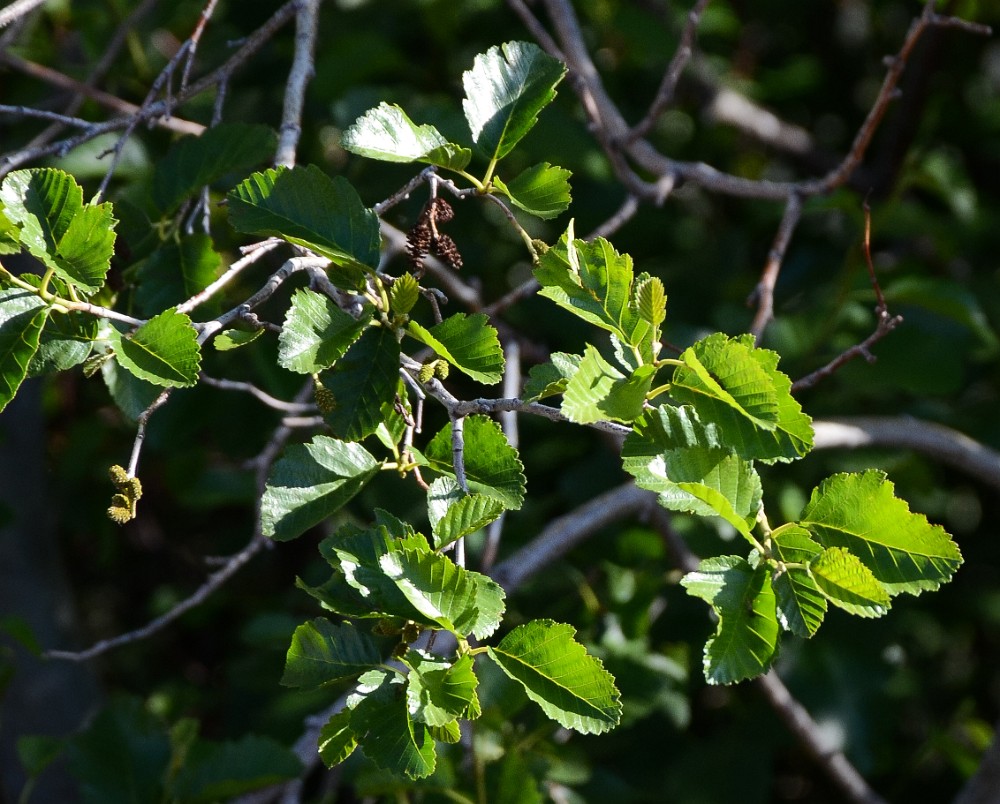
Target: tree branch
{"x":303,"y":69}
{"x":902,"y":432}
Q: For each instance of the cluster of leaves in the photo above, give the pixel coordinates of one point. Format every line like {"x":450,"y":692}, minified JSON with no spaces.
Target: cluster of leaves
{"x":693,"y":436}
{"x":855,"y":545}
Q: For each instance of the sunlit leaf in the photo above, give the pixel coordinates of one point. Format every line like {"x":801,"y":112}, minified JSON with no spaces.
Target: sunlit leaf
{"x":848,"y":583}
{"x":801,"y":605}
{"x":738,"y":387}
{"x":460,"y":600}
{"x":322,"y":652}
{"x":541,"y":190}
{"x":746,"y":636}
{"x":163,"y":351}
{"x":861,"y":513}
{"x":467,"y":342}
{"x":439,"y":691}
{"x":598,"y":391}
{"x":492,"y":466}
{"x":312,"y":482}
{"x":306,"y":207}
{"x":504,"y":92}
{"x":570,"y":686}
{"x":316,"y":332}
{"x":387,"y":133}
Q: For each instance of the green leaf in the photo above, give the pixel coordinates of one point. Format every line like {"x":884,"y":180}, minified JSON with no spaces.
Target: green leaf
{"x":163,"y":351}
{"x":317,"y":333}
{"x":438,"y":691}
{"x":322,"y":652}
{"x":801,"y":605}
{"x":195,"y":162}
{"x":403,"y":294}
{"x":594,"y":282}
{"x":306,"y":207}
{"x":457,"y":599}
{"x":222,"y":772}
{"x":312,"y":482}
{"x":454,"y":514}
{"x":362,"y":382}
{"x":230,"y":339}
{"x":549,"y":379}
{"x":492,"y":466}
{"x":10,"y":234}
{"x":470,"y":344}
{"x":651,"y":300}
{"x":570,"y":686}
{"x":122,"y":756}
{"x":388,"y":735}
{"x":747,"y":634}
{"x":37,"y":751}
{"x":386,"y":133}
{"x":175,"y":272}
{"x":672,"y":452}
{"x":66,"y":341}
{"x":542,"y":190}
{"x":131,"y":395}
{"x":75,"y":240}
{"x":504,"y":92}
{"x":336,"y":740}
{"x":598,"y":391}
{"x":848,"y":583}
{"x":903,"y":550}
{"x":358,"y":556}
{"x":737,"y":386}
{"x":22,"y":317}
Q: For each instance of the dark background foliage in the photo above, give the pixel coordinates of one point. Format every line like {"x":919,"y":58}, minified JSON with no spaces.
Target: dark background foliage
{"x":912,"y":697}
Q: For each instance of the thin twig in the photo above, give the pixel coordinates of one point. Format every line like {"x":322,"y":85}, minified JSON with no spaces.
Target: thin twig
{"x":257,"y":393}
{"x":886,"y":323}
{"x":903,"y":432}
{"x":195,"y":39}
{"x":763,"y":294}
{"x":665,"y":93}
{"x":306,"y":23}
{"x":140,"y":433}
{"x":251,"y":256}
{"x":17,"y":9}
{"x":508,"y":421}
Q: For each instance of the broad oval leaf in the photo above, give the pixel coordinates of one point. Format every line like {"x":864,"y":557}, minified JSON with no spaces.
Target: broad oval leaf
{"x":312,"y":482}
{"x":469,"y":343}
{"x":739,"y":388}
{"x":383,"y":727}
{"x":194,"y":162}
{"x":336,"y":739}
{"x":175,"y":272}
{"x":801,"y":605}
{"x":457,"y":599}
{"x":746,"y":636}
{"x":306,"y":207}
{"x":558,"y":674}
{"x":361,"y":383}
{"x":316,"y":332}
{"x":454,"y":514}
{"x":598,"y":391}
{"x":322,"y":652}
{"x":549,"y":379}
{"x":594,"y":282}
{"x":163,"y":351}
{"x":861,"y":513}
{"x":76,"y":240}
{"x":387,"y":133}
{"x":541,"y":190}
{"x":439,"y":692}
{"x":848,"y":583}
{"x":492,"y":466}
{"x":504,"y":92}
{"x":22,"y":317}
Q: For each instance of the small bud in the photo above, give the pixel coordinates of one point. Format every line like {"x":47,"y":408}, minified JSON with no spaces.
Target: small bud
{"x":404,"y":294}
{"x":325,"y":399}
{"x":426,"y":372}
{"x":441,"y":369}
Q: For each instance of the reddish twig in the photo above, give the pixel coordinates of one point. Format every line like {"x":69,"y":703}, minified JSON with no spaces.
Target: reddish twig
{"x":763,"y":294}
